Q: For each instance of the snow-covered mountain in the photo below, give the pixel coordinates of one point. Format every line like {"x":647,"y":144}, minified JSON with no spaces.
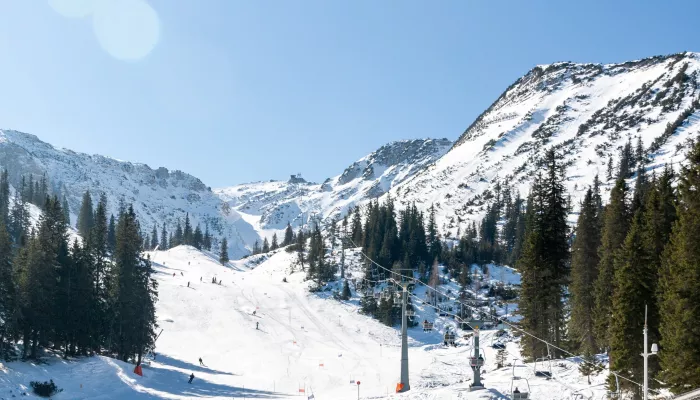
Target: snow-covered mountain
{"x":586,"y":111}
{"x":271,"y":205}
{"x":159,"y":196}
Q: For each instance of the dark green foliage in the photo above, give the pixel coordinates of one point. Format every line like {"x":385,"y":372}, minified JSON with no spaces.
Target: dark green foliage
{"x":132,"y":294}
{"x":187,"y":234}
{"x":163,"y":237}
{"x":18,"y":226}
{"x":44,"y":389}
{"x":616,"y":222}
{"x":500,"y":358}
{"x":609,"y":171}
{"x":356,"y":234}
{"x":680,"y":286}
{"x":66,"y":210}
{"x":345,"y":295}
{"x":274,"y":244}
{"x":265,"y":246}
{"x":544,"y":260}
{"x":672,"y":126}
{"x":223,"y":252}
{"x":154,"y":238}
{"x":197,"y":238}
{"x":7,"y":290}
{"x":178,"y":236}
{"x":320,"y":270}
{"x":4,"y":197}
{"x":86,"y":216}
{"x":288,"y":236}
{"x":589,"y":366}
{"x":584,"y":272}
{"x":206,"y":240}
{"x":256,"y":247}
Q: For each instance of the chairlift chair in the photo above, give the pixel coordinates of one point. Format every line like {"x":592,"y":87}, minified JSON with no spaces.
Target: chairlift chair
{"x":410,"y":313}
{"x":518,"y":395}
{"x":427,"y":326}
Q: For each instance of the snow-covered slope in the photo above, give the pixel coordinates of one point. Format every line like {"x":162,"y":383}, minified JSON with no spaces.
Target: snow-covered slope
{"x":304,"y":341}
{"x":271,"y":205}
{"x":586,"y":111}
{"x":159,"y":196}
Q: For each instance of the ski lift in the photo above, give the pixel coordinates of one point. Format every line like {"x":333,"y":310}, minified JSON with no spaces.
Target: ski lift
{"x":476,"y":361}
{"x":410,"y":313}
{"x":427,"y":326}
{"x":449,"y":338}
{"x":516,"y":394}
{"x":541,"y":372}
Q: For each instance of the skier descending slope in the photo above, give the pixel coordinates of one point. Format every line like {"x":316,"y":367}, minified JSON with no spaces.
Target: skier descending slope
{"x":200,"y":361}
{"x":191,"y":377}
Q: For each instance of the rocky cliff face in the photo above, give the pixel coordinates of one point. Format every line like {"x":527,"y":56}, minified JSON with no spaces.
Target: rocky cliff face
{"x":587,"y":112}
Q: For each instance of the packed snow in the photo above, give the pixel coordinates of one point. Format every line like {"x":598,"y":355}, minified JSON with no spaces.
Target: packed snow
{"x":304,"y":342}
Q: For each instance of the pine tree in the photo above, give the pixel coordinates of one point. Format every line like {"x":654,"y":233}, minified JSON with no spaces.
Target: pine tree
{"x":206,"y":241}
{"x":609,"y":171}
{"x":356,"y":231}
{"x":584,"y":272}
{"x":639,"y":153}
{"x":300,"y":245}
{"x":615,"y":226}
{"x":288,"y":235}
{"x":345,"y":295}
{"x":133,"y":329}
{"x":4,"y":197}
{"x":164,"y":239}
{"x":112,"y":234}
{"x":178,"y":237}
{"x":197,"y":238}
{"x":154,"y":237}
{"x":544,"y":261}
{"x":19,"y":222}
{"x":30,"y":190}
{"x":629,"y":295}
{"x":223,"y":252}
{"x":680,"y":286}
{"x":274,"y":244}
{"x":66,"y":210}
{"x":256,"y":247}
{"x":86,"y":217}
{"x":589,"y":366}
{"x":265,"y":246}
{"x":187,"y":233}
{"x":7,"y":290}
{"x":433,"y":238}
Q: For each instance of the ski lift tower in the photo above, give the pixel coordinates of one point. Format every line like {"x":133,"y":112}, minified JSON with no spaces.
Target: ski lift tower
{"x":403,"y":385}
{"x":476,"y":362}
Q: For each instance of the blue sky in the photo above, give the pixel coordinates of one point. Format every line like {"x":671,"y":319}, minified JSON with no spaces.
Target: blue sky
{"x":236,"y":91}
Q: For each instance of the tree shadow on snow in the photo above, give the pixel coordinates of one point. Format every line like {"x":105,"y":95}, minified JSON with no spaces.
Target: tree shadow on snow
{"x":173,"y":362}
{"x":158,"y":382}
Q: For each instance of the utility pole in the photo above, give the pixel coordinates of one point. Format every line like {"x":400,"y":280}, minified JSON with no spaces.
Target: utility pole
{"x":404,"y":385}
{"x":645,"y":354}
{"x":476,"y":363}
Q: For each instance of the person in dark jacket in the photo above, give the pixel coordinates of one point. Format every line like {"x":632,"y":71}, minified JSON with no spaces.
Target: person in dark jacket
{"x":191,"y":377}
{"x":200,"y":361}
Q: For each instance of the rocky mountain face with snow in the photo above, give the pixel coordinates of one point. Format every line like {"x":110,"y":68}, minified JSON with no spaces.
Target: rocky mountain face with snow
{"x":275,"y":203}
{"x":159,"y":196}
{"x":587,"y":112}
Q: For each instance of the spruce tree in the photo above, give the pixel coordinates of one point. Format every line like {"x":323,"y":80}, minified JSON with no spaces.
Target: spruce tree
{"x":206,"y":241}
{"x":433,"y":237}
{"x":4,"y":197}
{"x":631,"y":290}
{"x":610,"y":169}
{"x":223,"y":252}
{"x":584,"y":272}
{"x":615,"y":226}
{"x":356,"y":231}
{"x":265,"y":246}
{"x":197,"y":238}
{"x":345,"y":294}
{"x":66,"y":210}
{"x":112,"y":234}
{"x":680,"y":286}
{"x":178,"y":237}
{"x":301,"y":245}
{"x":274,"y":244}
{"x":163,"y":239}
{"x":7,"y":291}
{"x":86,"y":216}
{"x":256,"y":247}
{"x":134,"y":293}
{"x":187,"y":232}
{"x":288,"y":235}
{"x":154,"y":237}
{"x":19,"y":222}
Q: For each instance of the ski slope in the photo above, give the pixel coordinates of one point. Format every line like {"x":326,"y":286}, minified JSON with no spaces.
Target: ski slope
{"x":305,"y":341}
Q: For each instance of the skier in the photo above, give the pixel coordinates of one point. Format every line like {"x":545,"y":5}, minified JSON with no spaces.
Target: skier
{"x":257,"y":325}
{"x":173,"y":274}
{"x":181,"y":274}
{"x":188,"y":284}
{"x":191,"y":377}
{"x":254,"y":311}
{"x":200,"y":361}
{"x":188,"y":263}
{"x":200,"y":278}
